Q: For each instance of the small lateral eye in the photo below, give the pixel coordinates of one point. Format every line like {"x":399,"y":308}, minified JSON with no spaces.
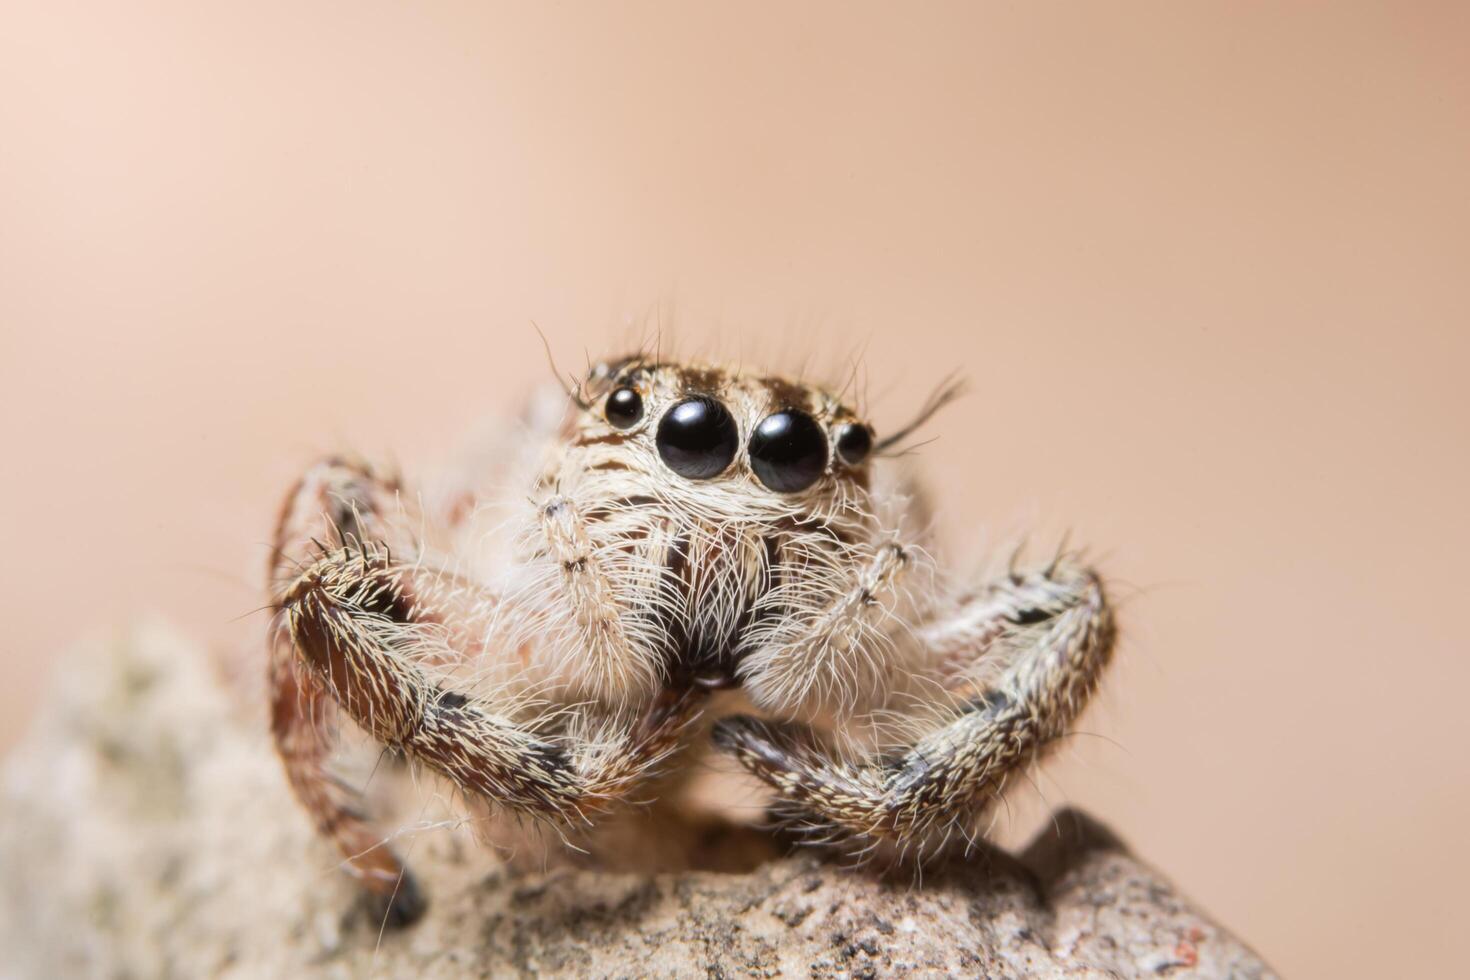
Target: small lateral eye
{"x":788,"y":451}
{"x":624,"y":408}
{"x":854,"y":443}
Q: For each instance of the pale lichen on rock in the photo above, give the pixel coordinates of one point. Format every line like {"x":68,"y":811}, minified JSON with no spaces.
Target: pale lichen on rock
{"x":146,"y":831}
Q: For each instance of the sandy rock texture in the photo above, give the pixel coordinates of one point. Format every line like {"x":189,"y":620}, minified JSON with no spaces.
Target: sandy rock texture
{"x":145,"y":831}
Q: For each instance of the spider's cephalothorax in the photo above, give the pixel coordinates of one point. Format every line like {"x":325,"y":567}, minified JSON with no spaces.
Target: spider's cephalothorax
{"x":544,"y":631}
{"x":700,"y":527}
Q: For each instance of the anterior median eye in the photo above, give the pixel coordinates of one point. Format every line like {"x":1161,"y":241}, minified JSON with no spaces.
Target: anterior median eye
{"x":854,"y":442}
{"x":624,"y":408}
{"x":697,"y":438}
{"x":788,"y":451}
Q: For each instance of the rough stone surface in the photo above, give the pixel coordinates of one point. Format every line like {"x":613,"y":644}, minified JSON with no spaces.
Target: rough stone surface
{"x":145,"y":830}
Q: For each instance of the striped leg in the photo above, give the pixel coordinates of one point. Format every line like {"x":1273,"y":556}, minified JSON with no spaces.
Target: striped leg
{"x":1053,"y":631}
{"x":335,"y":502}
{"x":360,"y":624}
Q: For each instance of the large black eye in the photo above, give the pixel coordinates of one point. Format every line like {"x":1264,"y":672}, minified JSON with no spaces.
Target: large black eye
{"x":788,"y":451}
{"x":854,"y":442}
{"x":624,"y":408}
{"x":697,"y":438}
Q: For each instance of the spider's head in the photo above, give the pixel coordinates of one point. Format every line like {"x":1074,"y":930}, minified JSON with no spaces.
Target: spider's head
{"x":717,"y":431}
{"x":722,"y":510}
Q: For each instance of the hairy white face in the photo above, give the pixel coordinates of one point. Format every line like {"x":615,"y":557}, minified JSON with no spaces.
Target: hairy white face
{"x":695,"y":524}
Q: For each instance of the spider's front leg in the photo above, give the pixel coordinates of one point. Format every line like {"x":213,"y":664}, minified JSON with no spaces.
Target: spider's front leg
{"x":364,"y":619}
{"x":1051,"y":632}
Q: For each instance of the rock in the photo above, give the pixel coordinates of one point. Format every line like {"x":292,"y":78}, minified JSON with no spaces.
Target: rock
{"x":146,"y":831}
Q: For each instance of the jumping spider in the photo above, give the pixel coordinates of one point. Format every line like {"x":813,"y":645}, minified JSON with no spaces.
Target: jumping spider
{"x":551,"y":629}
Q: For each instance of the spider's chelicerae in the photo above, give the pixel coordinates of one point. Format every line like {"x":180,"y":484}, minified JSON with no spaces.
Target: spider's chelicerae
{"x":549,"y":631}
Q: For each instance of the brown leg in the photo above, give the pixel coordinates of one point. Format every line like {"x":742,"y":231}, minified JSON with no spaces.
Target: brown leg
{"x":361,"y":618}
{"x":354,"y":620}
{"x":335,"y":501}
{"x":303,"y":723}
{"x":1053,"y":631}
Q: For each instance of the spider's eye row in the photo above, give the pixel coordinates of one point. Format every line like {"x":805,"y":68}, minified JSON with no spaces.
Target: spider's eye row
{"x":697,"y":438}
{"x":788,"y":451}
{"x":624,"y":408}
{"x":854,"y":443}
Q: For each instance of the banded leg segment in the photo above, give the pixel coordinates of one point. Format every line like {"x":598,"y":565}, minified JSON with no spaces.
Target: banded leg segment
{"x":1052,"y":631}
{"x":363,"y":620}
{"x":354,"y":620}
{"x":335,"y":502}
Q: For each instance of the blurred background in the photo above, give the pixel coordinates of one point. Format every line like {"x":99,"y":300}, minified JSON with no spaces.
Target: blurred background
{"x":1205,"y":266}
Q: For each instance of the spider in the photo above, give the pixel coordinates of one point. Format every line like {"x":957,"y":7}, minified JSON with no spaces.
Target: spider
{"x":548,"y":631}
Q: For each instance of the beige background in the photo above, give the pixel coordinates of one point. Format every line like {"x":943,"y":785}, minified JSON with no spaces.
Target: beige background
{"x":1205,"y":265}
